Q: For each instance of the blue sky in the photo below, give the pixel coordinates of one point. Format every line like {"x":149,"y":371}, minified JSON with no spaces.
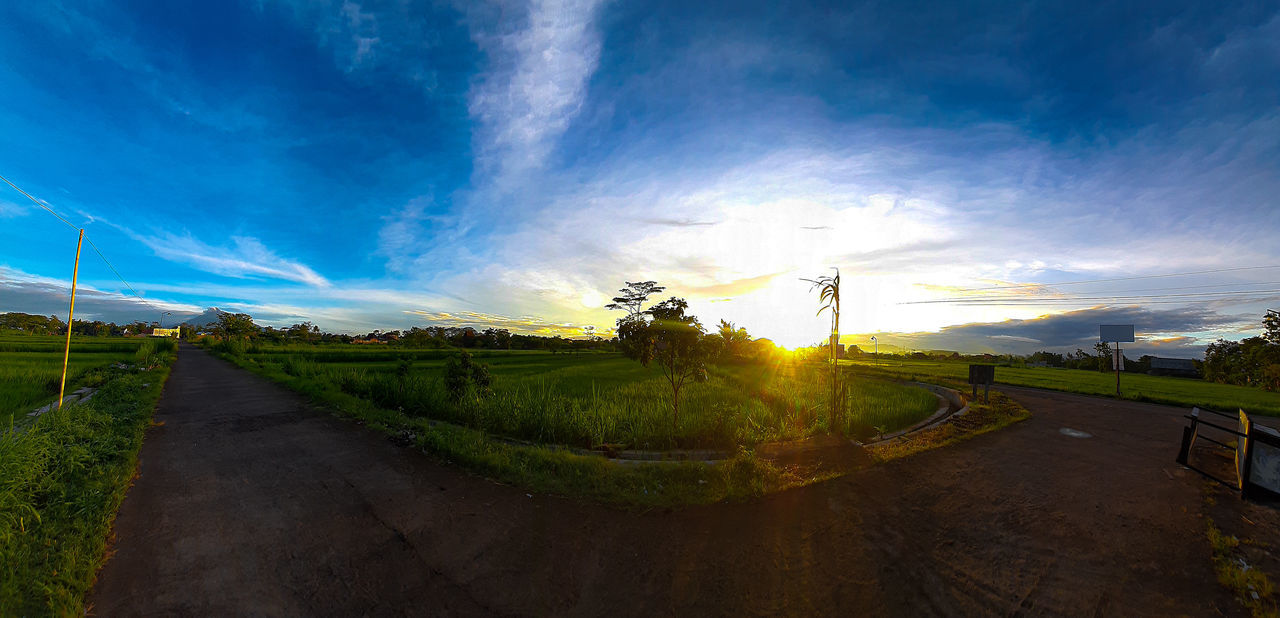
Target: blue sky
{"x":387,"y":165}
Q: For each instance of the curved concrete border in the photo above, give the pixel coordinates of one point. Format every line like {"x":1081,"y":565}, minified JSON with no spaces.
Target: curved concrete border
{"x":953,"y":404}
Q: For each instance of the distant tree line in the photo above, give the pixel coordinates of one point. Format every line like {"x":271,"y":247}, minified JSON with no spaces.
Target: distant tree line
{"x":52,"y":325}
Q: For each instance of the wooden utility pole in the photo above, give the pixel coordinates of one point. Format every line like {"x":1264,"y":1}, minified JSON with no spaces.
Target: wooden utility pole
{"x":71,"y":316}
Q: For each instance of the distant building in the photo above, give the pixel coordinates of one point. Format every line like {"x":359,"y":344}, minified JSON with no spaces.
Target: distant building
{"x":1180,"y":367}
{"x":166,"y":332}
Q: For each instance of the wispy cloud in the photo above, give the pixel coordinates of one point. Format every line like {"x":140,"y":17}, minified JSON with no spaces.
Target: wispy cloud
{"x":247,"y":257}
{"x":676,"y":222}
{"x":527,"y":325}
{"x":29,"y":293}
{"x":536,"y":83}
{"x":10,"y":210}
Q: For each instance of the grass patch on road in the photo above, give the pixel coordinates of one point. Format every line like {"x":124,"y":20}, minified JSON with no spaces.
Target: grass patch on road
{"x":1250,"y":585}
{"x":62,"y":478}
{"x":1134,"y":386}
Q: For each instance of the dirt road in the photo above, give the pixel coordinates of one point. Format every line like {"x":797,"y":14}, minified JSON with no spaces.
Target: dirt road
{"x":251,"y":502}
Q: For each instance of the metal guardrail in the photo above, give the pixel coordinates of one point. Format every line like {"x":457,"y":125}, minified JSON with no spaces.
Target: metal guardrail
{"x":1257,"y":452}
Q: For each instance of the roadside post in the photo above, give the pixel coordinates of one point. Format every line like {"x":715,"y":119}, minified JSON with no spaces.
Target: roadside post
{"x":984,"y":375}
{"x":1116,"y":333}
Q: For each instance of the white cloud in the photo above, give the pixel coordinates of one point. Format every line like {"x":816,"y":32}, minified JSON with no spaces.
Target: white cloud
{"x":247,"y":257}
{"x":10,"y":209}
{"x":537,"y":82}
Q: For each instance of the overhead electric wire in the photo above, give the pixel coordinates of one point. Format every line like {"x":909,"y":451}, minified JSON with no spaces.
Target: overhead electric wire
{"x":91,"y":244}
{"x":119,"y":276}
{"x":39,"y":203}
{"x":1037,"y":299}
{"x":1135,"y":278}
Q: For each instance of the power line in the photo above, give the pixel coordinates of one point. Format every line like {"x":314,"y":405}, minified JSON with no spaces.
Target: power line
{"x":1259,"y":295}
{"x":39,"y":203}
{"x":1136,"y":278}
{"x":91,"y":244}
{"x":1037,"y":299}
{"x":118,"y":275}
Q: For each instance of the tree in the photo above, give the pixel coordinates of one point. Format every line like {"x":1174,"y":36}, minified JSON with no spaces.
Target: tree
{"x":665,"y":333}
{"x":735,"y":340}
{"x":235,"y":326}
{"x":1104,"y":353}
{"x":634,"y":296}
{"x":675,"y":340}
{"x":1271,"y":324}
{"x":829,"y":299}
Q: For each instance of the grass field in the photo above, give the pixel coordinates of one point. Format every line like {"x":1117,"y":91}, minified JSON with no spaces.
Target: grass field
{"x":64,"y":474}
{"x":1138,"y":387}
{"x":31,"y":367}
{"x":588,"y":399}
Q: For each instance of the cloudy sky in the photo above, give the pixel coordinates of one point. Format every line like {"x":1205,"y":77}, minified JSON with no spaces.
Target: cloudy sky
{"x":367,"y":165}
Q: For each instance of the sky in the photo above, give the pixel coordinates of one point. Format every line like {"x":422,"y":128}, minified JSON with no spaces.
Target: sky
{"x":387,"y":165}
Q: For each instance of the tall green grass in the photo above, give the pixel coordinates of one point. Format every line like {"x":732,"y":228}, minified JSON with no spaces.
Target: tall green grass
{"x":1138,"y":387}
{"x":61,"y":481}
{"x":31,"y":367}
{"x":597,"y":399}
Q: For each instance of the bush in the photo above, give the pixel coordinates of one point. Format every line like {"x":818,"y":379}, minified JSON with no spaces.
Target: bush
{"x":464,"y":377}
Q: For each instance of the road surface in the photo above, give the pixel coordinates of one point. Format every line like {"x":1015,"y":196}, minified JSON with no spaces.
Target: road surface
{"x":251,"y":501}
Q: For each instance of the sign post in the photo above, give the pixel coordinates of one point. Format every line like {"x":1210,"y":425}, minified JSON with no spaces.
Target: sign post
{"x":1116,"y":333}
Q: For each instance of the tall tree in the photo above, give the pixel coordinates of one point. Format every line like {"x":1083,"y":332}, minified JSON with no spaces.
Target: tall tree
{"x":828,"y":288}
{"x":633,"y":297}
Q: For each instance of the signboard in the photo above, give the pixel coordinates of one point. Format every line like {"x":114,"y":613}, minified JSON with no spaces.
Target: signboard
{"x":1117,"y":333}
{"x":1117,"y":360}
{"x":982,"y":374}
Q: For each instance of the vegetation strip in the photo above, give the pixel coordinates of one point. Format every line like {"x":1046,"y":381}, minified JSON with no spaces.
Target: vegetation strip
{"x":62,"y":480}
{"x":1135,"y":387}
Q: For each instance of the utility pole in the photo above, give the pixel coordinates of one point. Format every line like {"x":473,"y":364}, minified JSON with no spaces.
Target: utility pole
{"x":71,"y":317}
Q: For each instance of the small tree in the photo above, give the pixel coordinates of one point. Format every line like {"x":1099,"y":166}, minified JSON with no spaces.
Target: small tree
{"x":463,"y":376}
{"x":235,"y":326}
{"x":1104,"y":353}
{"x":672,"y":339}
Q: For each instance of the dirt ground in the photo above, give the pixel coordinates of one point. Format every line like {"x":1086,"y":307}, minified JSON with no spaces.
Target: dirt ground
{"x":251,"y":502}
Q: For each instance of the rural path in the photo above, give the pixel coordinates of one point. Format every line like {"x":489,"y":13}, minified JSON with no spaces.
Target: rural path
{"x":251,"y":502}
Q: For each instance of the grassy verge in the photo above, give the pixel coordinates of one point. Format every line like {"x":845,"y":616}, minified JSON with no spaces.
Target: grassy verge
{"x":595,"y":399}
{"x":32,"y":368}
{"x":981,"y":418}
{"x":61,"y":481}
{"x":1134,"y":386}
{"x":551,"y":470}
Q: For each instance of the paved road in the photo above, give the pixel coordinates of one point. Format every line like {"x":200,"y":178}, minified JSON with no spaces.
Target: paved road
{"x":251,"y":502}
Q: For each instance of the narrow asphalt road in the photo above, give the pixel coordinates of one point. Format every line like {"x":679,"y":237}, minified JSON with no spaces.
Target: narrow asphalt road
{"x":251,"y":502}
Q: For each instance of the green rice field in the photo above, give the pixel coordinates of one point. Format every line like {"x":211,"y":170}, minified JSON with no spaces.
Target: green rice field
{"x":31,"y":367}
{"x":592,"y":399}
{"x":1138,"y":387}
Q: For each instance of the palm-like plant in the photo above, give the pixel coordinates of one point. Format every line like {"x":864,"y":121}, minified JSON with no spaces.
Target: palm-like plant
{"x":828,"y":288}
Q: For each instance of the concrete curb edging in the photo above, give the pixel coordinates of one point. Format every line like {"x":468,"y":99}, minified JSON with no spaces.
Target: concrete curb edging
{"x":953,"y":404}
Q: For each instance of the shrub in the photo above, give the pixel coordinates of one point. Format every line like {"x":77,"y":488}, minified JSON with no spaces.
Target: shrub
{"x":463,"y":377}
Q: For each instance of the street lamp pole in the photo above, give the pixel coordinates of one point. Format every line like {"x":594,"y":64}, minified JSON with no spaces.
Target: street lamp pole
{"x":875,"y":354}
{"x":162,"y":317}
